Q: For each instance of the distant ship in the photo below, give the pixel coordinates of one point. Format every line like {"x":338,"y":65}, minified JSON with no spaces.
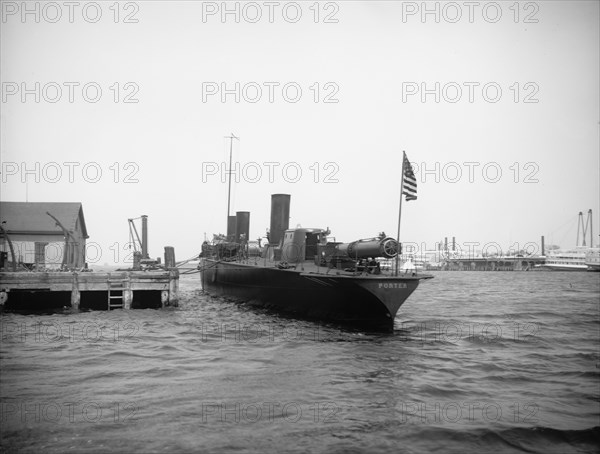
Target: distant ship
{"x":572,"y":260}
{"x":582,"y":258}
{"x":412,"y":264}
{"x":301,"y":272}
{"x":592,"y":259}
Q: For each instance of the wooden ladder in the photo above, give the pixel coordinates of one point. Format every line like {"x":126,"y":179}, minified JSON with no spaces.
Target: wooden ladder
{"x":115,"y":301}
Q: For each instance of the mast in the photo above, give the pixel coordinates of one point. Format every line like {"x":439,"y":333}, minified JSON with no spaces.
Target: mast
{"x":231,"y":137}
{"x":580,"y":227}
{"x":10,"y":245}
{"x":591,"y":230}
{"x":400,"y":211}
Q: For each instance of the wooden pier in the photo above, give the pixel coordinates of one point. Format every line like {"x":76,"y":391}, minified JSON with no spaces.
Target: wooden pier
{"x":89,"y":290}
{"x":26,"y":284}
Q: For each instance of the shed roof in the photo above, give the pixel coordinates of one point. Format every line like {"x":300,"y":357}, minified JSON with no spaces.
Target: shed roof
{"x":31,"y":217}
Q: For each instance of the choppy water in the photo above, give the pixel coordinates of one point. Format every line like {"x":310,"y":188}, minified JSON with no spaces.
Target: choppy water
{"x":504,"y":362}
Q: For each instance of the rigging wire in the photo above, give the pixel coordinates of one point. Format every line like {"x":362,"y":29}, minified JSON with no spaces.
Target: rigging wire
{"x":570,"y":223}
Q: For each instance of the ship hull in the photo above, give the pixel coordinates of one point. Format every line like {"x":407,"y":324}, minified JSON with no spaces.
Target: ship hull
{"x":366,"y":300}
{"x":552,"y":267}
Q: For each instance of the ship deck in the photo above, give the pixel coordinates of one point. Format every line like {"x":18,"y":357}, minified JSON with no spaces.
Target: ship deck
{"x":309,"y":267}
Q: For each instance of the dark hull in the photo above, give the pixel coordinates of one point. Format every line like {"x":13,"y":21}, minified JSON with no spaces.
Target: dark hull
{"x":366,"y":300}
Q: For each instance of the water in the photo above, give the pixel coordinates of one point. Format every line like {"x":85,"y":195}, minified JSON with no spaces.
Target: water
{"x":478,"y":361}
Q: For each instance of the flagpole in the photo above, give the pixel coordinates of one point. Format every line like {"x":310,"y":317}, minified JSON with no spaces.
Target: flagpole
{"x":400,"y":211}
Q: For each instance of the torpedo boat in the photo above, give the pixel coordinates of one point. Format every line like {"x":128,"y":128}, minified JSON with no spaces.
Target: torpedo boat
{"x":302,"y":273}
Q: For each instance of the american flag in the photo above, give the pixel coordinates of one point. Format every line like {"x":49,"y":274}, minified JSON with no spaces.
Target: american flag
{"x":409,"y":187}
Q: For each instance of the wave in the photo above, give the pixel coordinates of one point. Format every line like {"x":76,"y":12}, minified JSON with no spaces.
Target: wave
{"x":514,"y":439}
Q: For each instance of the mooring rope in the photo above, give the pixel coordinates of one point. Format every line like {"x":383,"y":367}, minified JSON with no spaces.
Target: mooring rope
{"x":178,"y":264}
{"x":208,"y":267}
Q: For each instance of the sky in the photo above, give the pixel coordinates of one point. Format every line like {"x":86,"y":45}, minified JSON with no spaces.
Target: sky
{"x":126,"y":106}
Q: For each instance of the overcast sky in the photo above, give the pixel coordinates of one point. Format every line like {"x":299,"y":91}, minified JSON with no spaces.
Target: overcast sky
{"x":499,"y":102}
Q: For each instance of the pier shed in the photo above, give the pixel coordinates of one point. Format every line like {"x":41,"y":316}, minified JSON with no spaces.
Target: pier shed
{"x":43,"y":234}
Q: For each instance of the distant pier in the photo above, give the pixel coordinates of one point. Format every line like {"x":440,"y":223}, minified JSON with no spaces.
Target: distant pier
{"x":493,"y":264}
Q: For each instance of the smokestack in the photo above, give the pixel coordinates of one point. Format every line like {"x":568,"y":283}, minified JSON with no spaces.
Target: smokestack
{"x":145,"y":237}
{"x":231,"y":228}
{"x":280,"y":217}
{"x":445,"y":243}
{"x":543,"y":246}
{"x":242,"y":225}
{"x":453,"y":244}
